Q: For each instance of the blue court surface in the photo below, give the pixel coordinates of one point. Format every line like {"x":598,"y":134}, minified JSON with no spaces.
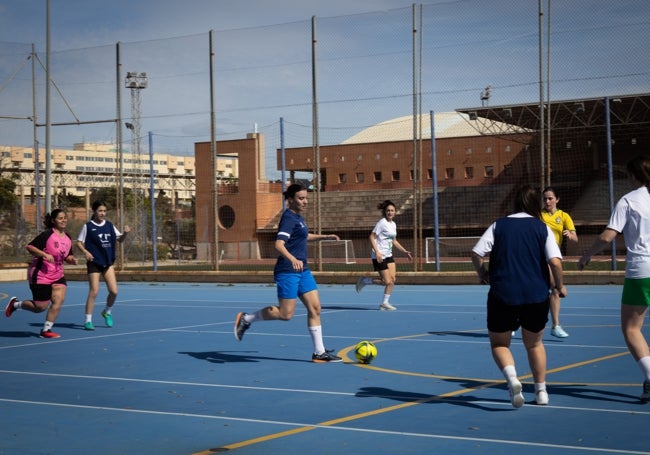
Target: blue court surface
{"x":170,"y":378}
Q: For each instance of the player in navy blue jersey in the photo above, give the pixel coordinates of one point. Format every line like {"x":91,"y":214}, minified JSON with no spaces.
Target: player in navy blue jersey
{"x":292,"y":276}
{"x":97,"y":241}
{"x":523,"y":254}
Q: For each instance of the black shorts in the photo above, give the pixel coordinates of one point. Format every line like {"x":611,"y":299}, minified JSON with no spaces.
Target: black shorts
{"x":506,"y":318}
{"x":383,"y":265}
{"x":93,"y":267}
{"x":43,"y":292}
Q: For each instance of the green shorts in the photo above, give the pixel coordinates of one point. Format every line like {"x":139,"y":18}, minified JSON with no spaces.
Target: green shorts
{"x":636,"y":291}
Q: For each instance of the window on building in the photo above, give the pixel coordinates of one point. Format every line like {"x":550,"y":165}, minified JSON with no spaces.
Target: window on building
{"x":449,"y":173}
{"x":489,"y":171}
{"x":343,"y":178}
{"x":377,"y":176}
{"x":450,"y":152}
{"x":468,"y":151}
{"x":429,"y":174}
{"x":488,"y":149}
{"x":395,"y":176}
{"x":360,"y":177}
{"x":469,"y":172}
{"x":507,"y":148}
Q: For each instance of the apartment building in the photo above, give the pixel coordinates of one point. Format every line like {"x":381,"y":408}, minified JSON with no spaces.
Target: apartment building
{"x":87,"y":166}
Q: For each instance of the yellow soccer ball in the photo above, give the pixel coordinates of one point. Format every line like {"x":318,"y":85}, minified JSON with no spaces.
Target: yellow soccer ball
{"x":365,"y":352}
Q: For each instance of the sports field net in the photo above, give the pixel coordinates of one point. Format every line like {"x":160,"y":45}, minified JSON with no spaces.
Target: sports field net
{"x":448,"y":249}
{"x":333,"y":251}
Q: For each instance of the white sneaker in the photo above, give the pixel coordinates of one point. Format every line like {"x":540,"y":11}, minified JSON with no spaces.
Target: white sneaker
{"x":387,"y":307}
{"x":541,"y":397}
{"x":559,"y":332}
{"x":361,"y":283}
{"x":516,"y":397}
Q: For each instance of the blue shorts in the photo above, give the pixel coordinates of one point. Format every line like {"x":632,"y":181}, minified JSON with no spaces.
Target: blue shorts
{"x":293,"y":285}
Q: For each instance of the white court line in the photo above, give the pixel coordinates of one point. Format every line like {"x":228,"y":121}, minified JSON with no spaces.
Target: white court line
{"x":293,"y":390}
{"x":95,"y":336}
{"x":333,"y":427}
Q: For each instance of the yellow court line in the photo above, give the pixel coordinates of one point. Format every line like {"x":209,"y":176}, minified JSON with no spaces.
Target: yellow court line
{"x":340,"y":420}
{"x":343,"y":353}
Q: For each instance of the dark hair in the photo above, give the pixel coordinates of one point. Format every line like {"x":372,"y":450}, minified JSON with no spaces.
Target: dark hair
{"x":98,"y":204}
{"x":552,"y":190}
{"x":527,"y":200}
{"x":294,"y":188}
{"x":48,"y":222}
{"x":384,"y":205}
{"x":639,"y":168}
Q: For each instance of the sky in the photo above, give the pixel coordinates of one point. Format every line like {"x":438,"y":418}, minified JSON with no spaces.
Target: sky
{"x":262,"y":61}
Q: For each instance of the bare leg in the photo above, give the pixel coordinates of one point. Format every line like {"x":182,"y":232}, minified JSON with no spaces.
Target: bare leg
{"x":632,"y":317}
{"x":536,"y":353}
{"x":58,"y":296}
{"x":93,"y":290}
{"x":111,"y":286}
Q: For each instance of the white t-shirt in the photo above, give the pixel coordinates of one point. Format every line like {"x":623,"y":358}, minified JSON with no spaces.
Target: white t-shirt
{"x":486,"y":242}
{"x":631,"y":216}
{"x":385,"y":232}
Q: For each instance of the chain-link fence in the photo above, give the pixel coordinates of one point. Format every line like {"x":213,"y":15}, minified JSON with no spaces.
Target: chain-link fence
{"x":329,"y":79}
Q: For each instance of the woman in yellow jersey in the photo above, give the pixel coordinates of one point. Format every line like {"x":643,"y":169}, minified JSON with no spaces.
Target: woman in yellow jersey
{"x":562,"y":226}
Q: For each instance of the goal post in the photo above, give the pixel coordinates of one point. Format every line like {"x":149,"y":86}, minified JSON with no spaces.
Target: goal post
{"x":334,"y":251}
{"x":452,"y":249}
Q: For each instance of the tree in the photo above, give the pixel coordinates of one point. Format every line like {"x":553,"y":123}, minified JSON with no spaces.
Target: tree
{"x":8,"y":201}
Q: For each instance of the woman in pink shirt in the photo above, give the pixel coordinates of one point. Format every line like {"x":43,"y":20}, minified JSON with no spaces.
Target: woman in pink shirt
{"x":51,"y":248}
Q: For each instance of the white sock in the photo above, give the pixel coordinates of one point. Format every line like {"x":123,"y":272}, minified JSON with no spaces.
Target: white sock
{"x":89,"y":318}
{"x":252,"y":317}
{"x":386,"y":298}
{"x":316,"y":333}
{"x":540,"y":386}
{"x":18,"y":304}
{"x":644,"y":364}
{"x":47,"y":326}
{"x":509,"y":372}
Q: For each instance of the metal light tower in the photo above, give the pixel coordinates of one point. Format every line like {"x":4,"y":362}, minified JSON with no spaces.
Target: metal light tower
{"x":136,"y":82}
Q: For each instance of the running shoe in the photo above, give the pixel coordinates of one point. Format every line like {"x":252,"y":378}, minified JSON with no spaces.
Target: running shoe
{"x":49,"y":334}
{"x":559,"y":332}
{"x":241,"y":326}
{"x":541,"y":397}
{"x":387,"y":307}
{"x":361,"y":283}
{"x":10,"y":307}
{"x":89,"y":326}
{"x":326,"y":357}
{"x":108,"y":318}
{"x":516,"y":397}
{"x":645,"y":396}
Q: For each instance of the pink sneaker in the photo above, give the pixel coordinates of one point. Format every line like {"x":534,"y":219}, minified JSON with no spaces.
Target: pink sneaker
{"x":10,"y":307}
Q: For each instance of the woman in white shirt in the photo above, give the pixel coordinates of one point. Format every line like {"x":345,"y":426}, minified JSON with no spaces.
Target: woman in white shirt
{"x":631,"y":217}
{"x":383,"y":239}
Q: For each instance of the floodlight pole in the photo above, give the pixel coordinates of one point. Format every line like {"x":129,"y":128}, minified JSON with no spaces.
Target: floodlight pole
{"x":136,"y":82}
